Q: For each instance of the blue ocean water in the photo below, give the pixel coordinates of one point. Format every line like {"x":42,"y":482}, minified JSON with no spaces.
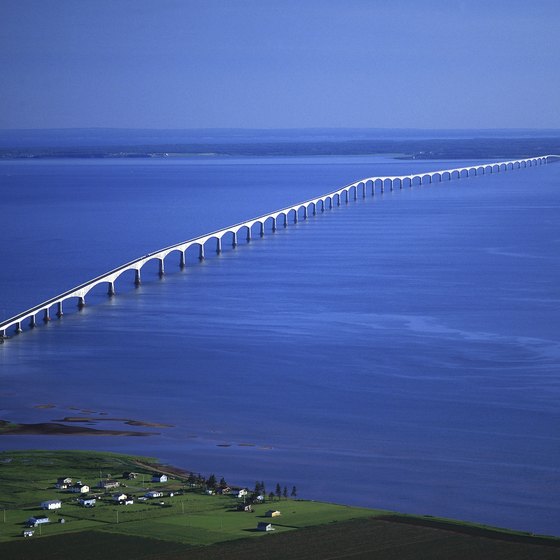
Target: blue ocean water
{"x":400,"y":351}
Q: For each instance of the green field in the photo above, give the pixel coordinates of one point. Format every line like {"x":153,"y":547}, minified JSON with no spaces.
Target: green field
{"x":210,"y":526}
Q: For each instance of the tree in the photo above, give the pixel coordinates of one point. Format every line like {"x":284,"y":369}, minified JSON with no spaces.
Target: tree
{"x":285,"y":492}
{"x":278,"y":491}
{"x":271,"y":496}
{"x":294,"y":492}
{"x":223,"y":482}
{"x":211,"y":482}
{"x":257,"y":487}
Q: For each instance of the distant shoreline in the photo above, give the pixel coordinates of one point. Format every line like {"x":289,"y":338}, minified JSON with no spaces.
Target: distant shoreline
{"x":401,"y":148}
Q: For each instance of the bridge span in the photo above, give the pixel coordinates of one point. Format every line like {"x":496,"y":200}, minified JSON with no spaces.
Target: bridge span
{"x":282,"y":217}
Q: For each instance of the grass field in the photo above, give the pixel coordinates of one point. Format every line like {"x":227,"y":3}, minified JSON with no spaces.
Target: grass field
{"x":191,"y":524}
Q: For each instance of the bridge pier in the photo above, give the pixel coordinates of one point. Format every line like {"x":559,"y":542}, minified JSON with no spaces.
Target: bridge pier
{"x":32,"y":322}
{"x":59,"y":312}
{"x":111,"y":289}
{"x":46,"y":316}
{"x":273,"y":224}
{"x":137,"y":278}
{"x":295,"y":217}
{"x":262,"y":229}
{"x":248,"y":234}
{"x":218,"y":245}
{"x":234,"y":241}
{"x":201,"y":252}
{"x":182,"y":260}
{"x":305,"y":212}
{"x":286,"y":219}
{"x":18,"y":328}
{"x":161,"y":268}
{"x":81,"y":302}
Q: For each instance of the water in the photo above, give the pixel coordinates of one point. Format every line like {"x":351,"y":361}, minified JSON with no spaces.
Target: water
{"x":399,"y":352}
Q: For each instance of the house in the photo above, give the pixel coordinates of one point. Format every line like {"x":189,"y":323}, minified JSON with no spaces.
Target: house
{"x":37,"y":520}
{"x":28,"y":533}
{"x":263,"y":526}
{"x":78,"y":488}
{"x":259,"y":498}
{"x":63,"y":482}
{"x":128,"y":502}
{"x":153,"y":494}
{"x":243,"y":507}
{"x":272,"y":513}
{"x":51,"y":504}
{"x":242,"y":493}
{"x":108,"y":484}
{"x":119,"y":497}
{"x":159,"y":478}
{"x":130,"y":475}
{"x":87,"y":502}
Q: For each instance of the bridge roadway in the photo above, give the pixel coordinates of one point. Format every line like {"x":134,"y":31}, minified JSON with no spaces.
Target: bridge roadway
{"x":294,"y":212}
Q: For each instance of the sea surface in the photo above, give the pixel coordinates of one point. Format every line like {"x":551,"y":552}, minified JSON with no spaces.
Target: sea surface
{"x":401,"y":351}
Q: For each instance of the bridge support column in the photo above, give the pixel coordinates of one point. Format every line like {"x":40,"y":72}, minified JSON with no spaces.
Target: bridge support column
{"x":355,"y":194}
{"x":392,"y":185}
{"x":273,"y":224}
{"x":111,"y":289}
{"x":305,"y":212}
{"x":137,"y":278}
{"x":201,"y":252}
{"x":218,"y":245}
{"x":59,"y":312}
{"x":18,"y":328}
{"x":248,"y":234}
{"x":315,"y":209}
{"x":81,"y":302}
{"x":286,"y":220}
{"x":364,"y":190}
{"x":46,"y":316}
{"x":161,"y":268}
{"x":295,"y":217}
{"x":382,"y":187}
{"x":32,"y":322}
{"x":234,"y":242}
{"x":182,"y":260}
{"x":262,"y":229}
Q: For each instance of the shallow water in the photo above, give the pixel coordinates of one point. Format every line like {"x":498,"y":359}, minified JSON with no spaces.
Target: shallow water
{"x":400,"y":351}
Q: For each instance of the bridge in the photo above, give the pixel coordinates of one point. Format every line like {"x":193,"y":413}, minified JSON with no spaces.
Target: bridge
{"x":284,"y":216}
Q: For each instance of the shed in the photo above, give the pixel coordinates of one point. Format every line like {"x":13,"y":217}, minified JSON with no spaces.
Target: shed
{"x":263,"y":526}
{"x":87,"y":502}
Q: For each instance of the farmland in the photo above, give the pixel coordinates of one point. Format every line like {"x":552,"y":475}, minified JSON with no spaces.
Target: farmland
{"x":188,"y":522}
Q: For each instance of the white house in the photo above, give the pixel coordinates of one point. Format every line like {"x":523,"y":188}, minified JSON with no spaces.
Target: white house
{"x":119,"y":497}
{"x":263,"y":526}
{"x":272,"y":513}
{"x":87,"y":502}
{"x":63,"y":482}
{"x":153,"y":494}
{"x":78,"y":488}
{"x":159,"y":478}
{"x":243,"y":492}
{"x":51,"y":504}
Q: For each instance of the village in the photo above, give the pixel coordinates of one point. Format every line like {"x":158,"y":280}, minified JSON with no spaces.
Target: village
{"x":131,"y":492}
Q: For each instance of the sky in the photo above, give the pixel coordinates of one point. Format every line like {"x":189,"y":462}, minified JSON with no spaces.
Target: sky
{"x":279,"y":63}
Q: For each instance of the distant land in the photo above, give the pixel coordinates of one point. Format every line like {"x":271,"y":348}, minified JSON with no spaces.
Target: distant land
{"x":403,"y":144}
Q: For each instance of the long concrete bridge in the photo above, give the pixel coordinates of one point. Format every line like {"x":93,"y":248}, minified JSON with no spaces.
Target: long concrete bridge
{"x":282,"y":217}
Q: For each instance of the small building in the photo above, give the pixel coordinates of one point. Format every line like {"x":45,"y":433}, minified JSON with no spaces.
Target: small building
{"x":242,"y":507}
{"x":130,"y":475}
{"x":128,"y":502}
{"x":159,"y":477}
{"x":63,"y":482}
{"x":28,"y":533}
{"x":37,"y":520}
{"x":87,"y":502}
{"x":242,"y":493}
{"x":272,"y":513}
{"x":263,"y":526}
{"x":78,"y":488}
{"x":153,"y":494}
{"x":119,"y":497}
{"x":108,"y":484}
{"x":259,"y":499}
{"x":51,"y":504}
